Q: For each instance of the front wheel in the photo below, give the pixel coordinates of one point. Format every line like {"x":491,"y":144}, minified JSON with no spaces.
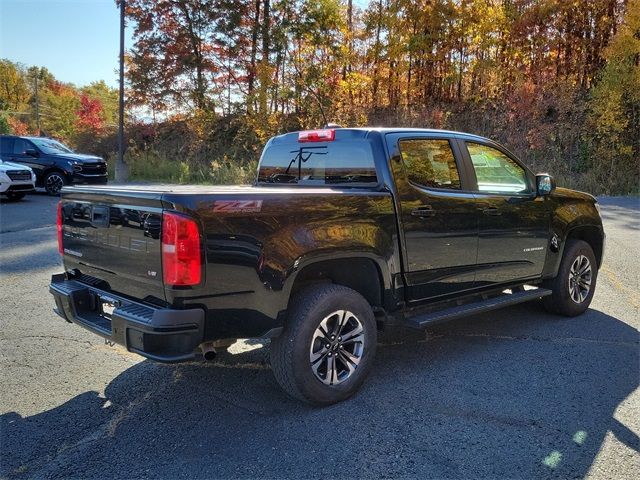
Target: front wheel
{"x":327,"y":347}
{"x":54,"y":182}
{"x":575,"y":284}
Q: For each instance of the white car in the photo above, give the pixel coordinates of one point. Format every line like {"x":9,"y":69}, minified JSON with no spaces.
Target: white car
{"x":16,"y":180}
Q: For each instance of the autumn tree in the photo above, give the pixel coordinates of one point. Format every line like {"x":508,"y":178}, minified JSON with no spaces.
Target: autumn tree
{"x":90,"y":115}
{"x":553,"y":79}
{"x":108,"y":98}
{"x":14,"y":90}
{"x":173,"y":60}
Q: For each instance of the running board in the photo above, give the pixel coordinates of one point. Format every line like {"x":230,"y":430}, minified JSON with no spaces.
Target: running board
{"x":421,"y":321}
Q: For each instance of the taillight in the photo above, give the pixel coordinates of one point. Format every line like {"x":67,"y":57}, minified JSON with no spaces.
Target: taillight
{"x":317,"y":136}
{"x":59,"y":222}
{"x":181,"y":258}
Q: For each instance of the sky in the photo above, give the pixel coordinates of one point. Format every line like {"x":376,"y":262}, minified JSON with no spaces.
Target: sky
{"x":76,"y":40}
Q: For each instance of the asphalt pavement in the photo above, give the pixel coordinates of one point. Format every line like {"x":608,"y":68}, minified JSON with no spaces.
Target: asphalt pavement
{"x":516,"y":393}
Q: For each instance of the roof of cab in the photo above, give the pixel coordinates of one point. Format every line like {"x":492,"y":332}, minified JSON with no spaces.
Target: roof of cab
{"x":366,"y":130}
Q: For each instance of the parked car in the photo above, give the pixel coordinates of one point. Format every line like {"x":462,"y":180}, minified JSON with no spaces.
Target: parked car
{"x":16,"y":180}
{"x":54,"y":164}
{"x":344,"y":232}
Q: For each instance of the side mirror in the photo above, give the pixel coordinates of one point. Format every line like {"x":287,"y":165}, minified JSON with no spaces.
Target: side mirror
{"x":31,"y":152}
{"x":545,"y":184}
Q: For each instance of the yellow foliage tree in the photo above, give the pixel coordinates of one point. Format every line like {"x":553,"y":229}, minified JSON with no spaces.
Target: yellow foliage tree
{"x":615,"y":108}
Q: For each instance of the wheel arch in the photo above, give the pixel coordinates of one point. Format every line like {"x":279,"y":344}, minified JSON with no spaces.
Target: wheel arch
{"x":55,"y":168}
{"x":360,"y":273}
{"x":591,"y":234}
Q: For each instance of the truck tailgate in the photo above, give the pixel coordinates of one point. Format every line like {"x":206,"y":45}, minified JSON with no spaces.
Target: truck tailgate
{"x":114,"y":235}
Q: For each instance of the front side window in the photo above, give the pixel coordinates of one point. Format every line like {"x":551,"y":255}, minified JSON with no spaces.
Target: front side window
{"x":495,"y":171}
{"x":50,"y":146}
{"x":430,"y":163}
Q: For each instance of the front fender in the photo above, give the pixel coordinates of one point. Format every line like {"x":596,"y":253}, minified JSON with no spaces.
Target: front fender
{"x":570,"y":213}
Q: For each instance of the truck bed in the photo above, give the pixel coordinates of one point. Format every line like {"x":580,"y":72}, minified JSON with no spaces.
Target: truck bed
{"x":256,"y":239}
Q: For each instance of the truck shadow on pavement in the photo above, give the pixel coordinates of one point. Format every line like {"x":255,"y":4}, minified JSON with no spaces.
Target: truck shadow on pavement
{"x":517,"y":394}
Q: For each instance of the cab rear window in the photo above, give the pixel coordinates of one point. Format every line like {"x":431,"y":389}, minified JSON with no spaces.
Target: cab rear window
{"x":318,"y":163}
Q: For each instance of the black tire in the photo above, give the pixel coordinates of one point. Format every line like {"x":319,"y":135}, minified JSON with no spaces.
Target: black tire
{"x":53,"y":182}
{"x":14,"y":197}
{"x":291,"y":352}
{"x":564,"y":288}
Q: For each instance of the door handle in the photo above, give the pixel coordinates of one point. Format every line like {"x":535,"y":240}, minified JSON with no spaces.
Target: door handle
{"x":493,"y":211}
{"x":424,"y":211}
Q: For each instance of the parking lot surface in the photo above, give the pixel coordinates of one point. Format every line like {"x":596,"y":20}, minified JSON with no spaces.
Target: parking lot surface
{"x":516,"y":393}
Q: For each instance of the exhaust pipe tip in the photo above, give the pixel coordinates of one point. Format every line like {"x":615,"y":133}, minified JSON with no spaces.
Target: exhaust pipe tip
{"x":208,"y":351}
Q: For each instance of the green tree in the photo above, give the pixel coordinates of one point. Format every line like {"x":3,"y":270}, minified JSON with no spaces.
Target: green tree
{"x":59,"y":104}
{"x":4,"y":124}
{"x":615,"y":108}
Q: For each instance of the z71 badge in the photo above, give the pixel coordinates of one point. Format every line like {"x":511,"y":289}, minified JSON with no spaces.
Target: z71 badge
{"x":237,"y":206}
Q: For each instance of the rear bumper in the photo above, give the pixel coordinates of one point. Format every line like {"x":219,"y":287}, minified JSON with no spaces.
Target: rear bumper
{"x":160,"y":334}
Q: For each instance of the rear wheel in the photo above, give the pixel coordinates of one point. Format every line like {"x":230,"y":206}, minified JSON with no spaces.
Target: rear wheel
{"x":574,"y":286}
{"x":15,"y":196}
{"x":53,"y":183}
{"x":327,"y":347}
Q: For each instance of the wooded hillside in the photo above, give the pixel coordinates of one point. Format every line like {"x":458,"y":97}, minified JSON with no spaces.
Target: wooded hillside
{"x":557,"y":81}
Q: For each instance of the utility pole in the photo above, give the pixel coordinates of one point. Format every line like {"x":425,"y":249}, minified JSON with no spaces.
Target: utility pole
{"x":122,"y":172}
{"x":37,"y":102}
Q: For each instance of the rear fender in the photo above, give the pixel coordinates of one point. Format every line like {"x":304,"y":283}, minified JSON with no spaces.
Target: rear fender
{"x":377,"y":289}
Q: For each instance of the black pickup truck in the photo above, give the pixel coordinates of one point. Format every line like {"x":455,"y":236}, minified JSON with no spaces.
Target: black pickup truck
{"x":345,"y":231}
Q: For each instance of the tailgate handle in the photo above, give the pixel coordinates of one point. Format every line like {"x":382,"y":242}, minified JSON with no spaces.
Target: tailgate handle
{"x":100,"y":216}
{"x":423,"y":211}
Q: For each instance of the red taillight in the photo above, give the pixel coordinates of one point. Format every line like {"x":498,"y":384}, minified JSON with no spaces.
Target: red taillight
{"x":181,"y":258}
{"x":59,"y":223}
{"x":316,"y":136}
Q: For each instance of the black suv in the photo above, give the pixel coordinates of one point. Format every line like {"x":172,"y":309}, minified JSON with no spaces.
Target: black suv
{"x":54,"y":164}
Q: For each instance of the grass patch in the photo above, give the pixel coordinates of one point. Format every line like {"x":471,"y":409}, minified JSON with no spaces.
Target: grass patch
{"x":156,"y":167}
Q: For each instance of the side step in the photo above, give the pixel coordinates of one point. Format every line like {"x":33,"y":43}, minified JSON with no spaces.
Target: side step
{"x":421,"y":321}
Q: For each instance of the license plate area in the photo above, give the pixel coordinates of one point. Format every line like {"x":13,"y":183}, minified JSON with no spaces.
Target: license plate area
{"x":106,"y":306}
{"x":95,"y":311}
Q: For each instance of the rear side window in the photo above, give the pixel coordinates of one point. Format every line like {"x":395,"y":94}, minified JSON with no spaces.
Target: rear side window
{"x":430,"y":163}
{"x":495,"y":171}
{"x":6,"y":145}
{"x":318,"y":163}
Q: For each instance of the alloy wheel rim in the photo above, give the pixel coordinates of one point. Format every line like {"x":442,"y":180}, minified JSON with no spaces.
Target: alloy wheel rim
{"x":580,"y":276}
{"x":337,"y":347}
{"x":54,"y":183}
